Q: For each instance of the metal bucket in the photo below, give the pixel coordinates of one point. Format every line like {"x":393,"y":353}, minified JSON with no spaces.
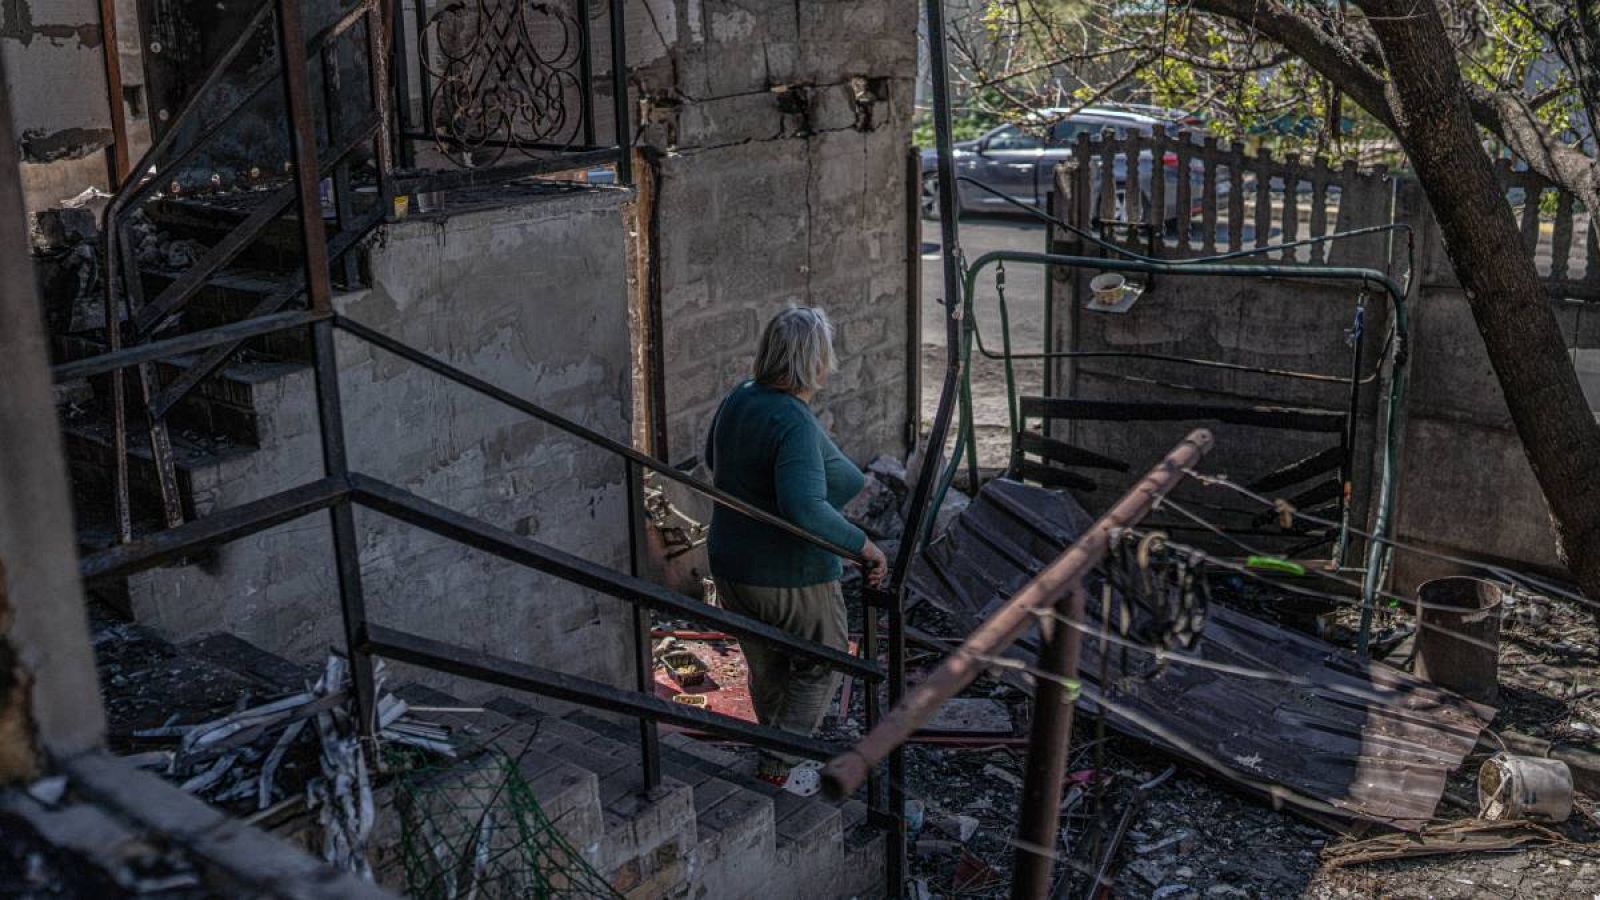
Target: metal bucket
{"x":1524,"y":787}
{"x":1458,"y":641}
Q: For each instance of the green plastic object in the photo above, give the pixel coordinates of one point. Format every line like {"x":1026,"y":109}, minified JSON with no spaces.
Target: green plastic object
{"x":1275,"y":564}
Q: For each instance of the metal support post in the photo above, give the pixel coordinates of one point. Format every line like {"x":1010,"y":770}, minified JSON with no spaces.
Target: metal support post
{"x":303,"y":143}
{"x":118,"y":161}
{"x":897,"y":837}
{"x":314,"y":244}
{"x":586,"y":72}
{"x":876,"y":802}
{"x":644,"y":658}
{"x":1053,"y":702}
{"x":619,"y":94}
{"x":402,"y":124}
{"x":341,"y":516}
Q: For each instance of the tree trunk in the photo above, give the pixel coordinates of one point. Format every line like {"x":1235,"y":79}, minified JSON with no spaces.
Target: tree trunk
{"x":1519,"y":328}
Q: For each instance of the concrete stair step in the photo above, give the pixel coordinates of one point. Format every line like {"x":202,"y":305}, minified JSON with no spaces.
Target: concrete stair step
{"x":641,"y":844}
{"x":91,"y":457}
{"x":231,"y":295}
{"x":747,"y":826}
{"x":224,"y":405}
{"x":209,"y":219}
{"x":569,"y":794}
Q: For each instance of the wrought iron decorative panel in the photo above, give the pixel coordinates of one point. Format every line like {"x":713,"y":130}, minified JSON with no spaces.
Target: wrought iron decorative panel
{"x":506,"y":75}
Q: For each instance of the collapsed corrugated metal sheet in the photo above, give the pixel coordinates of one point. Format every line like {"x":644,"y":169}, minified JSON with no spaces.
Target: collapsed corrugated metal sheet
{"x":1370,"y":741}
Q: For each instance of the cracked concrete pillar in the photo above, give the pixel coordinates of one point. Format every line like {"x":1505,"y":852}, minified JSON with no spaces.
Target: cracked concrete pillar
{"x":49,"y":697}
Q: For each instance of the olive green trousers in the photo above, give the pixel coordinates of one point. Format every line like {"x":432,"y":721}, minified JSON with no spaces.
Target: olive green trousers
{"x":787,"y":691}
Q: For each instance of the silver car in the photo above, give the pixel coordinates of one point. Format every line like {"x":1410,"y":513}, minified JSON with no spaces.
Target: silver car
{"x":1019,"y":162}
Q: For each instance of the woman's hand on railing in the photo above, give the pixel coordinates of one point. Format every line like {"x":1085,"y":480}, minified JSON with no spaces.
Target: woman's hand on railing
{"x":876,"y":566}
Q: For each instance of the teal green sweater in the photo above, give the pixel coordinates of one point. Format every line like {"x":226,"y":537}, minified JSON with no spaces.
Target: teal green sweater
{"x":768,"y":449}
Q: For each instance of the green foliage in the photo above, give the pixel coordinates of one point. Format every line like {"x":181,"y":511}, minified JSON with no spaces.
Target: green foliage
{"x":1020,"y":55}
{"x":966,"y":123}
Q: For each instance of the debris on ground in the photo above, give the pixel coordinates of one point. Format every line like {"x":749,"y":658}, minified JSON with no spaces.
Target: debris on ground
{"x":1174,"y":847}
{"x":1469,"y":836}
{"x":971,"y":716}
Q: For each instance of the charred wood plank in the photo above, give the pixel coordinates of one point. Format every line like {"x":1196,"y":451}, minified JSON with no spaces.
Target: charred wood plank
{"x":1059,"y":451}
{"x":1318,"y":463}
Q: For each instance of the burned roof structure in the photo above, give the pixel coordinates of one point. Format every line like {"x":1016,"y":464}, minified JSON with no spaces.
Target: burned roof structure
{"x":1274,"y":711}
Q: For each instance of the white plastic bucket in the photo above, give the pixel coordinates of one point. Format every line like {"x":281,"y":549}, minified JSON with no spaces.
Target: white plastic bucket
{"x":1524,"y":787}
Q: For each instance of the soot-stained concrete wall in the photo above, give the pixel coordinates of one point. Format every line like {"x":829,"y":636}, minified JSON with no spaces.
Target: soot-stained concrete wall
{"x":780,"y":133}
{"x":52,"y":57}
{"x":527,"y":294}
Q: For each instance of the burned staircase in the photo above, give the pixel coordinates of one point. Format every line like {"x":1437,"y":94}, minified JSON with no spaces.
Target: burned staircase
{"x":218,"y":419}
{"x":710,"y":830}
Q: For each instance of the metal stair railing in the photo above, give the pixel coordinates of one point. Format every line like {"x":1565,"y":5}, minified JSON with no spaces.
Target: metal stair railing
{"x":129,"y":317}
{"x":343,"y":489}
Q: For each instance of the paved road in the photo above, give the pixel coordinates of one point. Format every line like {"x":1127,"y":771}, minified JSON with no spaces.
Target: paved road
{"x":1024,"y":302}
{"x":1024,"y":284}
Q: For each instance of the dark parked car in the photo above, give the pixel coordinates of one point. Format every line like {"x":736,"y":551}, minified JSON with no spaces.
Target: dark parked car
{"x":1019,"y":162}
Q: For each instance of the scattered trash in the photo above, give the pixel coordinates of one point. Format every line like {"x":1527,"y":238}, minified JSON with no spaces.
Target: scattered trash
{"x":876,"y":510}
{"x":48,"y":790}
{"x":685,"y":668}
{"x":892,"y":472}
{"x":971,"y":715}
{"x":973,"y":874}
{"x":1524,"y":787}
{"x":342,"y":795}
{"x":805,"y":779}
{"x":1457,"y":837}
{"x":1000,"y":774}
{"x":936,"y":847}
{"x":85,"y":197}
{"x":915,"y":811}
{"x":960,"y":827}
{"x":1107,"y":868}
{"x":1177,"y":839}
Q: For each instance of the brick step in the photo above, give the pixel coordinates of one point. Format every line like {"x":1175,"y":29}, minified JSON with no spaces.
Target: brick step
{"x":91,"y":461}
{"x":224,"y":408}
{"x":824,"y":849}
{"x":568,"y":793}
{"x":734,"y":846}
{"x":640,"y":844}
{"x":231,"y":295}
{"x":208,"y":220}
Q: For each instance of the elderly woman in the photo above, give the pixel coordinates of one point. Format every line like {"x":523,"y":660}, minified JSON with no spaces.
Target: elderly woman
{"x":767,"y":448}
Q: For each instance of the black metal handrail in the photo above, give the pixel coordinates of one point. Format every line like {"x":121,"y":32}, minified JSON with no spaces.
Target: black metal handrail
{"x":479,"y":666}
{"x":396,"y":502}
{"x":587,"y":435}
{"x":342,"y":489}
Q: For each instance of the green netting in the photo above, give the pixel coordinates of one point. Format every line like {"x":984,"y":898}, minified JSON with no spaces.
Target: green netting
{"x":475,"y":829}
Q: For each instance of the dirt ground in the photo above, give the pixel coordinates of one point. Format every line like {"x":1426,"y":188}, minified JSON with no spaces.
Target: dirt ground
{"x":1195,"y":836}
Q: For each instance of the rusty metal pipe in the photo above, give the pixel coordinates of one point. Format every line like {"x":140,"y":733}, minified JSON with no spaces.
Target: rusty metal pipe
{"x":846,"y":772}
{"x":1054,"y":700}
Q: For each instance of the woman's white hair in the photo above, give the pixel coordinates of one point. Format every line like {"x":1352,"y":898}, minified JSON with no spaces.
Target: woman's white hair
{"x":796,"y":351}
